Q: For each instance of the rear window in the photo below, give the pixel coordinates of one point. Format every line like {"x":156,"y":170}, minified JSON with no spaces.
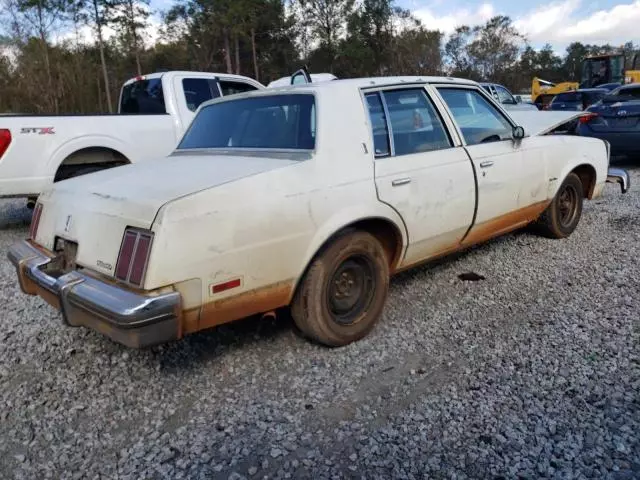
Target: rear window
{"x":143,"y":97}
{"x":567,"y":97}
{"x":274,"y":121}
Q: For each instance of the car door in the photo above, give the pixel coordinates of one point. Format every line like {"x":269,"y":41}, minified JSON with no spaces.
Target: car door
{"x":421,"y":170}
{"x":191,"y":91}
{"x":510,"y":172}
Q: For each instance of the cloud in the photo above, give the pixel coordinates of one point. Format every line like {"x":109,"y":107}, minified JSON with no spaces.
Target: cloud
{"x":558,"y":23}
{"x":86,"y":34}
{"x":447,"y":23}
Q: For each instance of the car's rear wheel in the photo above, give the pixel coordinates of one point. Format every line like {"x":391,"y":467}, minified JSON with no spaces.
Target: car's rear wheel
{"x":562,"y":216}
{"x":343,"y":292}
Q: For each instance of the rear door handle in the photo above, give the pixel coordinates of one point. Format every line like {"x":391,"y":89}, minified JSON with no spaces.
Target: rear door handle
{"x":400,"y":181}
{"x":486,"y":164}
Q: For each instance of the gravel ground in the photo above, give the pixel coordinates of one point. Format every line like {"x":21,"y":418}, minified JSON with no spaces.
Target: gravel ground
{"x":532,"y":372}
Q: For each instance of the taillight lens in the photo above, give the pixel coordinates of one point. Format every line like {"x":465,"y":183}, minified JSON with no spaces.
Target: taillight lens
{"x":587,"y":117}
{"x":133,"y":256}
{"x":35,"y":221}
{"x":5,"y":140}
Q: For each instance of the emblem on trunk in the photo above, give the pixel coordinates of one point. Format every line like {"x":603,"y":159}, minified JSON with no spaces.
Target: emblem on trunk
{"x":67,"y":225}
{"x":105,"y":265}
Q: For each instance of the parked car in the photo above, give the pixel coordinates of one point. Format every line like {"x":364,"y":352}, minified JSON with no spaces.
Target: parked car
{"x":503,"y":96}
{"x":308,"y":196}
{"x":616,"y":119}
{"x":153,"y":112}
{"x":577,"y":99}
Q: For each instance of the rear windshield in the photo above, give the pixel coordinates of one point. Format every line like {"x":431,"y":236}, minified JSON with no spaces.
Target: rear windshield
{"x":567,"y":97}
{"x":143,"y":97}
{"x":274,"y":121}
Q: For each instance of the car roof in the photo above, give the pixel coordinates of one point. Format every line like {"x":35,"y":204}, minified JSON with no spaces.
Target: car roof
{"x":365,"y":82}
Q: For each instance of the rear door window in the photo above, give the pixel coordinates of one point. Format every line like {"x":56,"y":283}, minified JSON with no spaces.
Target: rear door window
{"x":198,"y":91}
{"x":144,"y":97}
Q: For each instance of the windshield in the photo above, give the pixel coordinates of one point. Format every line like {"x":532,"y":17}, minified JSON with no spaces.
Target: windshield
{"x":143,"y":97}
{"x":274,"y":121}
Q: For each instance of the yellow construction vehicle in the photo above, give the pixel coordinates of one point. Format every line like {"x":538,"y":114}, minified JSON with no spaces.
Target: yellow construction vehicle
{"x":597,"y":70}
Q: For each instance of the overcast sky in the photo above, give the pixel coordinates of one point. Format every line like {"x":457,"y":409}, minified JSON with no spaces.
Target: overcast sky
{"x":556,"y":22}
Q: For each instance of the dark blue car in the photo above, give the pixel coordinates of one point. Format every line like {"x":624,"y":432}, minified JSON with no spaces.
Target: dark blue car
{"x":616,"y":119}
{"x":577,"y":99}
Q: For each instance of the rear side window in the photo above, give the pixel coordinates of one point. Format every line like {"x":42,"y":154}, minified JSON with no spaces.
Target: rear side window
{"x":198,"y":90}
{"x":143,"y":97}
{"x":264,"y":122}
{"x":229,"y":88}
{"x":378,"y":121}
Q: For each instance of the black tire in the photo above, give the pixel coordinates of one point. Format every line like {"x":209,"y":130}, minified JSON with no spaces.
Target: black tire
{"x":561,"y":217}
{"x":352,"y":269}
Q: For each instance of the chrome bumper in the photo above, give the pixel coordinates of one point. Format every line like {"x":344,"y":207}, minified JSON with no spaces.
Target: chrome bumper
{"x":618,"y":175}
{"x":132,"y":319}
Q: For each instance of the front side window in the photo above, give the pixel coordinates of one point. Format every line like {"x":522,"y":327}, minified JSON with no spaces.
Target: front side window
{"x":198,"y":90}
{"x":478,"y":120}
{"x":263,"y":122}
{"x":504,"y":96}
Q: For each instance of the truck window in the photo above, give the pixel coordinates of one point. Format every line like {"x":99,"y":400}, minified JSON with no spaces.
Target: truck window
{"x":265,"y":122}
{"x":229,"y":88}
{"x":198,"y":90}
{"x":143,"y":97}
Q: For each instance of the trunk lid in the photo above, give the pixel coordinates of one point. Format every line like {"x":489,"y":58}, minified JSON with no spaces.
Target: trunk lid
{"x":94,"y":210}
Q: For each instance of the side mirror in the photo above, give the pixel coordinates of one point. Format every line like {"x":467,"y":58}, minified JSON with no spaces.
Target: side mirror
{"x":518,"y":133}
{"x":518,"y":99}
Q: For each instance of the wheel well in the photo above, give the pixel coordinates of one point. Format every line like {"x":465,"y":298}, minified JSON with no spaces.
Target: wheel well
{"x":91,"y":156}
{"x":587,"y":175}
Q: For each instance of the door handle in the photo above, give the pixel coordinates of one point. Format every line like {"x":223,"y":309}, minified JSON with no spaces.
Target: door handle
{"x":486,"y":164}
{"x":400,"y":181}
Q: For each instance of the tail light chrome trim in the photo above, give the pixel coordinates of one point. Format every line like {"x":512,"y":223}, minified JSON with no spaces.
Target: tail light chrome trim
{"x":133,"y":257}
{"x":35,"y":221}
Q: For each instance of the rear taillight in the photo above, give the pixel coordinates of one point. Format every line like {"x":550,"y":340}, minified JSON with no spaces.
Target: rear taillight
{"x":5,"y":140}
{"x":587,"y":117}
{"x":35,"y":221}
{"x":133,"y":256}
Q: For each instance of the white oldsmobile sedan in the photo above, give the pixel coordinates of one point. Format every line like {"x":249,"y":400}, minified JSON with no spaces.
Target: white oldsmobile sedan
{"x":308,"y":197}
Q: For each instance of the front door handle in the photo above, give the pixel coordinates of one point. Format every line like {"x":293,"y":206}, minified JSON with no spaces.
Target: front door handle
{"x":486,"y":164}
{"x":400,"y":181}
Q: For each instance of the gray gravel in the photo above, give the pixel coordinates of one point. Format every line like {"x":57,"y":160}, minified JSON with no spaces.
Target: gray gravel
{"x":532,"y":372}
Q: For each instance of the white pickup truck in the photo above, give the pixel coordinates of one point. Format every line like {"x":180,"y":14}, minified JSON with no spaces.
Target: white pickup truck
{"x":153,"y":113}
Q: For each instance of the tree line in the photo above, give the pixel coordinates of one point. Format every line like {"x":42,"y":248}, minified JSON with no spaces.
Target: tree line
{"x":47,"y":67}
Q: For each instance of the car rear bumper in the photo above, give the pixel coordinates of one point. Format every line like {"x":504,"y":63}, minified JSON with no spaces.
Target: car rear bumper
{"x":130,"y":318}
{"x":622,"y":143}
{"x":618,"y":175}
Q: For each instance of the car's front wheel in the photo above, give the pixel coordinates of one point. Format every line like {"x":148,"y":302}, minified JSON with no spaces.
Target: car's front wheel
{"x":562,"y":215}
{"x":343,"y":292}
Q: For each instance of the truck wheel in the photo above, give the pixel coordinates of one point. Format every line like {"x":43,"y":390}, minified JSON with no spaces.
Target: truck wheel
{"x":343,"y":293}
{"x":561,"y":217}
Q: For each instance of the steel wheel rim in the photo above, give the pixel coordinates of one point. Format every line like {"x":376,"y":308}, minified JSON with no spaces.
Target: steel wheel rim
{"x":567,"y":205}
{"x":350,"y":289}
